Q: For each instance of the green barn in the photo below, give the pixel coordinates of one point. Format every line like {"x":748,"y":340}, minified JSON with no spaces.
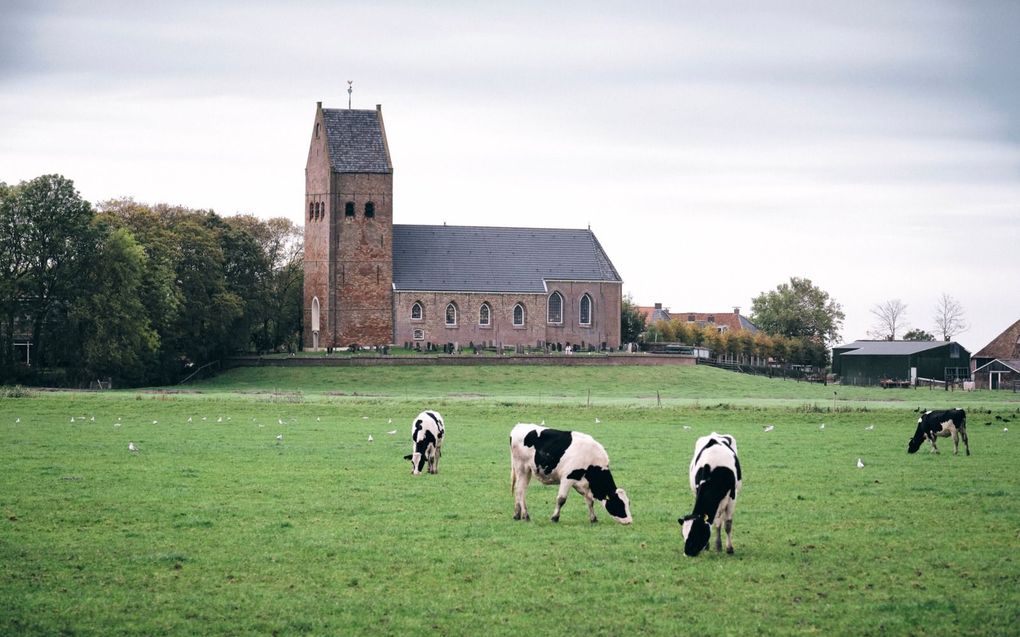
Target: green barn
{"x":872,"y":362}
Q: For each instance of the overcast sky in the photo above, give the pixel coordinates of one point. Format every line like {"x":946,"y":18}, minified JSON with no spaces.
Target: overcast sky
{"x":716,"y":149}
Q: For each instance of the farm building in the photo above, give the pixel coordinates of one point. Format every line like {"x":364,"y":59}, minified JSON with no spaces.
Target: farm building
{"x":872,"y":362}
{"x":369,"y":281}
{"x":997,"y":365}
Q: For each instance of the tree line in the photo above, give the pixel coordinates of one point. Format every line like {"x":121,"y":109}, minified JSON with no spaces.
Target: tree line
{"x":137,"y":293}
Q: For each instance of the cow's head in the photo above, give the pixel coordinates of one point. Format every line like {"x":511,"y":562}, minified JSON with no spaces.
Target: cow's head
{"x":618,"y":506}
{"x":417,"y":462}
{"x":696,"y":532}
{"x":915,"y":443}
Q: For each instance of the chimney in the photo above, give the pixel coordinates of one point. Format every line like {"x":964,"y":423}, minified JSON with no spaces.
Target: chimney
{"x":318,"y":105}
{"x":736,"y":310}
{"x":658,"y":306}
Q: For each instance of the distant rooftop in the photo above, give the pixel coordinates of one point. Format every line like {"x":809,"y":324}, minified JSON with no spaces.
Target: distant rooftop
{"x":489,"y":259}
{"x":889,"y":348}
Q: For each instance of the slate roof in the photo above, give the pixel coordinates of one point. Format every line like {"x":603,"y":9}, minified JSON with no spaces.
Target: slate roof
{"x":488,"y":259}
{"x":731,"y":320}
{"x":888,"y":348}
{"x":356,"y":141}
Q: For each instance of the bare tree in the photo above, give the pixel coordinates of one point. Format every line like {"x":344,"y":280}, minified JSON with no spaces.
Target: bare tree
{"x":948,"y":318}
{"x":889,"y":318}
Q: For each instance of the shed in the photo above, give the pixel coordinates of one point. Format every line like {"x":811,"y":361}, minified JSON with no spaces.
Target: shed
{"x":870,"y":362}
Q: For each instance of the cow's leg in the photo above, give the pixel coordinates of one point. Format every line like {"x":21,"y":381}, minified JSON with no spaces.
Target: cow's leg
{"x":589,"y":499}
{"x":966,"y":443}
{"x":934,"y":448}
{"x":956,"y":442}
{"x":729,"y":535}
{"x":520,"y":484}
{"x":435,"y":460}
{"x":718,"y":537}
{"x":561,"y":498}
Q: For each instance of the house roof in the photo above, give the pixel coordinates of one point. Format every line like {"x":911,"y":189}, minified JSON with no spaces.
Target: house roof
{"x":889,"y":348}
{"x":731,"y":320}
{"x":488,"y":259}
{"x":356,"y":141}
{"x":1005,"y":345}
{"x":999,"y":365}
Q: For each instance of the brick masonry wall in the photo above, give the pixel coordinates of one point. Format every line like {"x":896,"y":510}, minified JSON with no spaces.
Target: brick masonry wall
{"x":317,"y":233}
{"x":363,"y":275}
{"x":604,"y":328}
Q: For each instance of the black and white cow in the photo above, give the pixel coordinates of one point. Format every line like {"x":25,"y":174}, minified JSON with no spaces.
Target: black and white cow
{"x":570,"y":459}
{"x":935,"y":424}
{"x":715,"y":480}
{"x":427,"y":435}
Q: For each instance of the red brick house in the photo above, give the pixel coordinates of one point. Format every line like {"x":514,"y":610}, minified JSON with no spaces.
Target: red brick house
{"x":369,"y":281}
{"x":723,"y":321}
{"x":997,"y":365}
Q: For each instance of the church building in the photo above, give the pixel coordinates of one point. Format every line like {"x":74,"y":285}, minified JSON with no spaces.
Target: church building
{"x":369,"y":281}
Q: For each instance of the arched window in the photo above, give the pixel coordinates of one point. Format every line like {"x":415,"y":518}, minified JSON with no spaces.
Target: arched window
{"x":315,"y":314}
{"x":584,"y":317}
{"x":555,"y":308}
{"x":369,"y":209}
{"x":316,"y":130}
{"x":349,"y":209}
{"x":311,"y":210}
{"x":485,"y":315}
{"x":417,"y":312}
{"x":519,"y":315}
{"x":451,"y":315}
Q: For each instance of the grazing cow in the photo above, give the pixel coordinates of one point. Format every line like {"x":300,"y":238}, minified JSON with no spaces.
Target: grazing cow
{"x":567,"y":458}
{"x":715,"y":480}
{"x":427,"y":435}
{"x":934,"y":424}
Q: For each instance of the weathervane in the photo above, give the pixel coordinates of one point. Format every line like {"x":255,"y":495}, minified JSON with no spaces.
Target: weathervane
{"x":350,"y":89}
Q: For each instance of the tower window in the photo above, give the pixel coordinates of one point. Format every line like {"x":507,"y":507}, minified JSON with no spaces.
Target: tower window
{"x":555,"y":308}
{"x":349,"y":209}
{"x":485,"y":315}
{"x":311,"y":210}
{"x":417,"y":312}
{"x":585,"y":312}
{"x":519,"y":315}
{"x":369,"y":209}
{"x":451,"y":315}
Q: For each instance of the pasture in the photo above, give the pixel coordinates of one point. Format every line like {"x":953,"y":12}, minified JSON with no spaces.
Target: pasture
{"x":216,"y":527}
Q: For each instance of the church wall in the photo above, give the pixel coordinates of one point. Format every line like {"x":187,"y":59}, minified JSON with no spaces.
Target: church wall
{"x":317,"y":215}
{"x":605,"y":327}
{"x":363,"y":272}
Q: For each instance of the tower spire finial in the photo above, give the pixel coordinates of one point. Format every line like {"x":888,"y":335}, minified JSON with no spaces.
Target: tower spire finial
{"x":350,"y":89}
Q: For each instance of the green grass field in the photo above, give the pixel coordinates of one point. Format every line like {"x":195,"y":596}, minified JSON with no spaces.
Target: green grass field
{"x":215,"y":527}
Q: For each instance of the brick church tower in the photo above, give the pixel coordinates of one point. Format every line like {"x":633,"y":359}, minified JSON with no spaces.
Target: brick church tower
{"x":348,"y":295}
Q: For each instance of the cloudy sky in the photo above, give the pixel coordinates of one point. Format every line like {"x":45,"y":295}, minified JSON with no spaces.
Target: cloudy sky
{"x":716,"y":149}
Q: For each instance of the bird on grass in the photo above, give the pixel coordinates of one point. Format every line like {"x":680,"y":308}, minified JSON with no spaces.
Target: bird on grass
{"x":869,"y":427}
{"x":597,"y":421}
{"x":132,"y":448}
{"x":389,"y":422}
{"x":279,"y":421}
{"x":189,"y":418}
{"x":220,"y":419}
{"x":279,"y":438}
{"x":768,"y":428}
{"x":821,"y":426}
{"x":687,"y":427}
{"x":392,"y":432}
{"x":155,"y":422}
{"x":370,"y":437}
{"x":860,"y":465}
{"x":17,"y":420}
{"x":1005,"y":428}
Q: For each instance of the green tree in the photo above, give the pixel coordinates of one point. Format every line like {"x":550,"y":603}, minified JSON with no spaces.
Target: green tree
{"x":58,"y":238}
{"x":632,"y":322}
{"x":14,"y":269}
{"x":109,"y":321}
{"x":918,"y":335}
{"x":798,"y":309}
